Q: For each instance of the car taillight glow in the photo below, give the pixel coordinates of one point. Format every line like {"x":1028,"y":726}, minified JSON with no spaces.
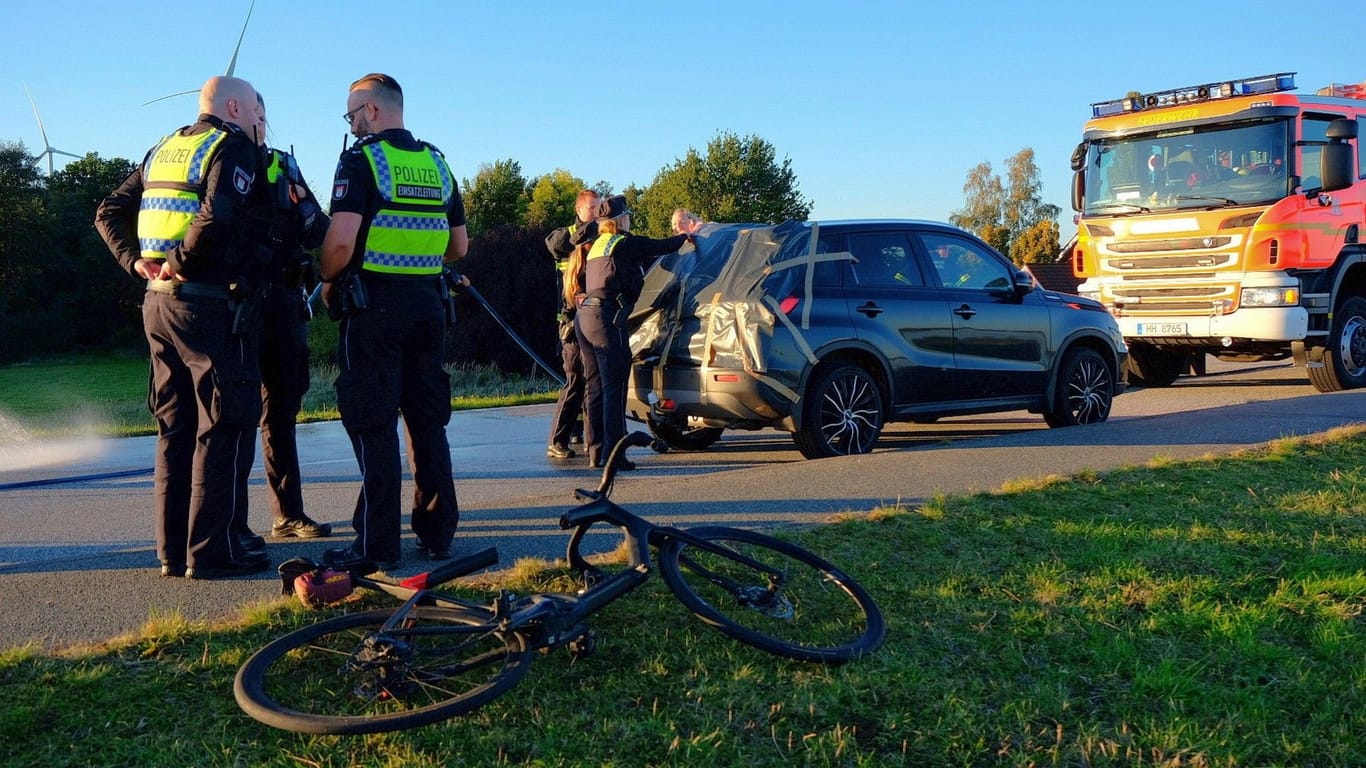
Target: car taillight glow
{"x":730,"y":378}
{"x":788,"y":304}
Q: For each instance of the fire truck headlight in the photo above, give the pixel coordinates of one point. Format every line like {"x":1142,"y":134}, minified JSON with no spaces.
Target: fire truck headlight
{"x":1270,"y":297}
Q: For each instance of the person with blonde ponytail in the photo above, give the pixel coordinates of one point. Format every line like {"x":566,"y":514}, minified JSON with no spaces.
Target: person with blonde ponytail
{"x":603,"y":279}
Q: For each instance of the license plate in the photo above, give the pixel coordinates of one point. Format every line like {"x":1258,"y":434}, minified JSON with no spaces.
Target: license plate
{"x":1161,"y":329}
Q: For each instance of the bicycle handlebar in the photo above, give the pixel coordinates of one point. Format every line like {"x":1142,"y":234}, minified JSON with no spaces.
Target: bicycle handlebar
{"x":635,"y":439}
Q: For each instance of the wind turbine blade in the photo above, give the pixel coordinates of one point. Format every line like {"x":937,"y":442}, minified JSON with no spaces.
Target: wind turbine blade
{"x":172,"y":96}
{"x":34,"y":104}
{"x":68,"y":154}
{"x":232,"y":63}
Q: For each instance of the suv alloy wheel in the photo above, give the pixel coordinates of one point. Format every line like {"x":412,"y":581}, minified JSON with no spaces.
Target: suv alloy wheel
{"x":841,"y":413}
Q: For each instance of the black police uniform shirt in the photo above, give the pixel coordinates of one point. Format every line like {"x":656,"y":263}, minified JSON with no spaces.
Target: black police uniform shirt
{"x":621,"y":276}
{"x":215,"y":249}
{"x":562,"y":242}
{"x":353,"y":187}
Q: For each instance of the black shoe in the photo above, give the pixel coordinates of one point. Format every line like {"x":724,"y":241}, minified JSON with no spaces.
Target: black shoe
{"x":434,"y":553}
{"x":557,"y":451}
{"x":172,"y":570}
{"x":254,"y":563}
{"x":250,"y":542}
{"x":300,"y":528}
{"x":349,"y":556}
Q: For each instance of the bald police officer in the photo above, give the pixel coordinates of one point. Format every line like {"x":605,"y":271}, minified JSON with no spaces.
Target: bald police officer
{"x":183,"y":221}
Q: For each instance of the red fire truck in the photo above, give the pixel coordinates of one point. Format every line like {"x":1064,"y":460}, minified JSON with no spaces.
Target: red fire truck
{"x":1226,"y":218}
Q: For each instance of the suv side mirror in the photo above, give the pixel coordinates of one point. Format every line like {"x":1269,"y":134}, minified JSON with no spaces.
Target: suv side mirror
{"x":1024,"y":282}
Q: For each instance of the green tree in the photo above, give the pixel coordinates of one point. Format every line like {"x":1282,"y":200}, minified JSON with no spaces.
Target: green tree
{"x":85,"y":309}
{"x":498,"y":197}
{"x":1011,"y":217}
{"x":738,"y":179}
{"x":983,"y":206}
{"x":1029,"y":219}
{"x":552,"y":200}
{"x":24,"y":231}
{"x":1038,"y":244}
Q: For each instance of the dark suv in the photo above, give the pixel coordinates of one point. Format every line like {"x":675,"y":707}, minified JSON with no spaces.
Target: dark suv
{"x":828,"y":330}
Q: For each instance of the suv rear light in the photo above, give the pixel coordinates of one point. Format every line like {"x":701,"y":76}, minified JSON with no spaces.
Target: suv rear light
{"x":788,"y":304}
{"x":729,"y":378}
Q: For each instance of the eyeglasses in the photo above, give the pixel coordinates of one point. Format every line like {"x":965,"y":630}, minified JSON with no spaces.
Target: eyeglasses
{"x":352,"y":113}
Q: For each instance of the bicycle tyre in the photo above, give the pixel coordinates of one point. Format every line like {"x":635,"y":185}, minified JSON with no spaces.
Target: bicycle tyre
{"x":820,"y":613}
{"x":301,"y":681}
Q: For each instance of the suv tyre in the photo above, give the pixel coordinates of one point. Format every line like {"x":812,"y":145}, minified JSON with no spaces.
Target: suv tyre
{"x":1084,"y":390}
{"x":841,"y":413}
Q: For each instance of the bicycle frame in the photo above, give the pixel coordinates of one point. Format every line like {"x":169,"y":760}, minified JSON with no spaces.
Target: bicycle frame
{"x":438,"y":655}
{"x":551,"y":619}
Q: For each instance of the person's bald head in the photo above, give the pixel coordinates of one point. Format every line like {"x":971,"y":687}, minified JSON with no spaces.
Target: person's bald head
{"x":230,"y":99}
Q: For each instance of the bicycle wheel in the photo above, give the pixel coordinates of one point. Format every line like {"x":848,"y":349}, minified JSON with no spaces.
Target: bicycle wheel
{"x":343,"y":675}
{"x":810,"y":610}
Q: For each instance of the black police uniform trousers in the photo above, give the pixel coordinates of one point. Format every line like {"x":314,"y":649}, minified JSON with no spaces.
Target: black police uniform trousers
{"x":389,"y":355}
{"x":569,"y":405}
{"x":205,"y":394}
{"x":284,"y":382}
{"x":603,"y":348}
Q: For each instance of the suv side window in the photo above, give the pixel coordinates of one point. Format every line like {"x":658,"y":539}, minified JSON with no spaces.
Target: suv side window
{"x":883,"y":259}
{"x":963,"y":263}
{"x":828,"y":272}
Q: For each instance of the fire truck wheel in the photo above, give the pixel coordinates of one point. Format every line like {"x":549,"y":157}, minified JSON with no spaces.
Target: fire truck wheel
{"x":1344,"y":359}
{"x":1151,"y":366}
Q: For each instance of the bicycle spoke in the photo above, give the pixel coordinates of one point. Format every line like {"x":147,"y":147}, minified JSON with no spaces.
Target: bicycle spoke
{"x":772,"y":594}
{"x":345,"y":675}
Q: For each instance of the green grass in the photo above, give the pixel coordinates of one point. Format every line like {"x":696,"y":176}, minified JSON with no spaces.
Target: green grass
{"x":1199,"y":613}
{"x":107,"y":394}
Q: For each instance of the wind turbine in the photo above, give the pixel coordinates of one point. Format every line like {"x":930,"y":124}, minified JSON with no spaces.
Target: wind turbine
{"x":232,"y":63}
{"x":48,"y":149}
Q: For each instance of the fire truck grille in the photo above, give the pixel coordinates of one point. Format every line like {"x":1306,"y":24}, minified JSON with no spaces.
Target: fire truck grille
{"x":1193,"y":300}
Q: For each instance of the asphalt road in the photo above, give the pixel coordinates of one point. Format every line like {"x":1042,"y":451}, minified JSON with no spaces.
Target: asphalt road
{"x":77,"y":564}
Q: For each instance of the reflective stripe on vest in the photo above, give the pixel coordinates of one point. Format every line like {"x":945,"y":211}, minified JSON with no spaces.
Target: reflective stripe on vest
{"x":173,"y":186}
{"x":604,"y":245}
{"x":409,"y":233}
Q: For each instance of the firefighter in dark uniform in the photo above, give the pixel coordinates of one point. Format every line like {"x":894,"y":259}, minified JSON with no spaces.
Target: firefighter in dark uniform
{"x":397,"y":216}
{"x":566,"y":423}
{"x":183,"y":221}
{"x":296,"y":223}
{"x":605,"y":280}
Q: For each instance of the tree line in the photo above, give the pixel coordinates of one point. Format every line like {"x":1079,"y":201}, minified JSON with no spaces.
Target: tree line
{"x":61,"y":291}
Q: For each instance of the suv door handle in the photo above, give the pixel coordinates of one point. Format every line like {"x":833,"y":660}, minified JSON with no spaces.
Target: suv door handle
{"x":870,"y":309}
{"x":965,"y":312}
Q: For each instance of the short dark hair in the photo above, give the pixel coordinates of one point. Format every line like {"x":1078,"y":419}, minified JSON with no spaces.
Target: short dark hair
{"x":381,"y":84}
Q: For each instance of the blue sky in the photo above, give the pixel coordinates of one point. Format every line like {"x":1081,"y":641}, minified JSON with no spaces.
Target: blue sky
{"x":882,"y":108}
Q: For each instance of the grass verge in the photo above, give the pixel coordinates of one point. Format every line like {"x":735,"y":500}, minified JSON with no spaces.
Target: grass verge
{"x":107,"y":395}
{"x":1200,"y":613}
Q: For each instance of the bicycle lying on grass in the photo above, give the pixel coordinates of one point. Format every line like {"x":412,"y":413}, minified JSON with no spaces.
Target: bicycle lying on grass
{"x":437,"y":655}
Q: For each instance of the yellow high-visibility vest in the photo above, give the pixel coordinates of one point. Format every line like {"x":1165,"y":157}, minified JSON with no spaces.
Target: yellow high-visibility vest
{"x":173,"y":188}
{"x":409,"y":233}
